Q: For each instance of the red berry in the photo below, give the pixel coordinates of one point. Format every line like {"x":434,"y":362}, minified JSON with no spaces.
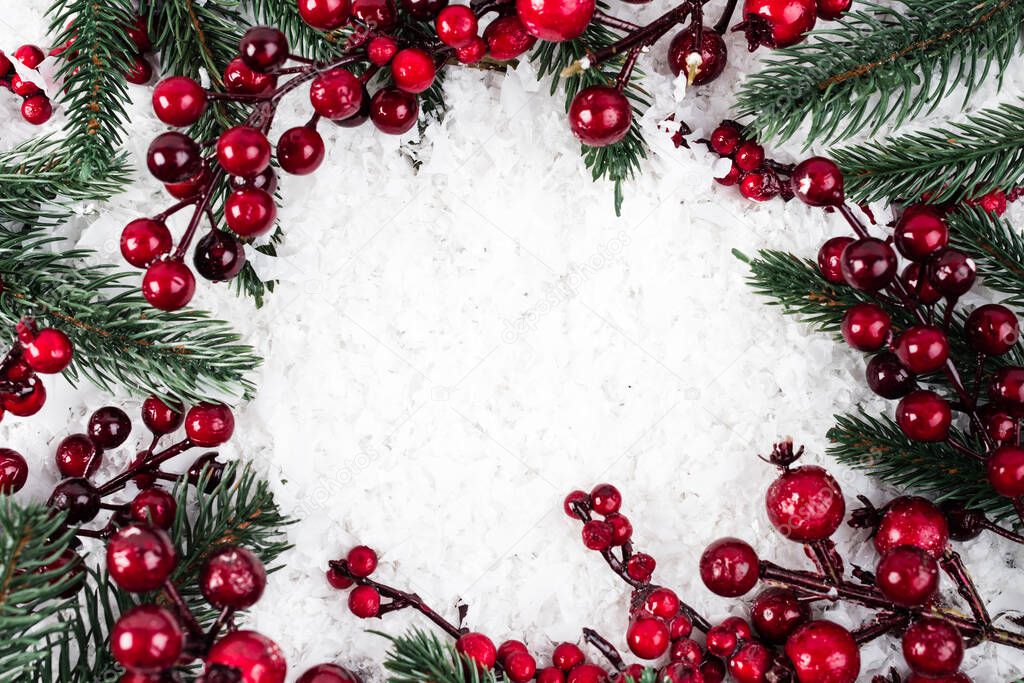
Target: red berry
{"x":192,"y":187}
{"x":20,"y":86}
{"x":78,"y":498}
{"x":362,"y":561}
{"x":140,"y":557}
{"x":908,"y":576}
{"x":887,"y":377}
{"x":555,"y":20}
{"x":777,"y":612}
{"x":920,"y":233}
{"x":567,"y":656}
{"x":147,"y":639}
{"x":144,"y":240}
{"x":13,"y":471}
{"x":749,"y":156}
{"x":713,"y":670}
{"x":640,"y":567}
{"x":662,"y":602}
{"x":721,"y":641}
{"x":680,"y":626}
{"x":918,"y":287}
{"x":250,"y":212}
{"x":173,"y":157}
{"x":686,"y":650}
{"x":300,"y":150}
{"x":587,"y":673}
{"x":394,"y":111}
{"x":914,"y":521}
{"x":952,"y":273}
{"x":622,"y":530}
{"x":179,"y":101}
{"x":830,"y":10}
{"x":778,"y":23}
{"x":109,"y":427}
{"x":823,"y":652}
{"x":168,"y":285}
{"x":209,"y":424}
{"x":922,"y":348}
{"x":958,"y":677}
{"x":325,"y":15}
{"x":759,"y":186}
{"x":472,"y":53}
{"x":829,"y":256}
{"x":866,"y":327}
{"x":868,"y":264}
{"x":818,"y":182}
{"x":924,"y":416}
{"x":219,"y":256}
{"x":739,"y":626}
{"x":999,"y":424}
{"x":338,"y":579}
{"x":30,"y":55}
{"x":27,"y":404}
{"x":805,"y":504}
{"x":328,"y":673}
{"x":750,"y":664}
{"x":605,"y":499}
{"x":243,"y":150}
{"x":413,"y":70}
{"x":456,"y":26}
{"x":479,"y":648}
{"x":159,"y":417}
{"x":375,"y":14}
{"x":678,"y":672}
{"x":648,"y":637}
{"x":575,"y":497}
{"x":550,"y":675}
{"x":424,"y":10}
{"x":507,"y":38}
{"x":1007,"y":389}
{"x":725,"y":139}
{"x":364,"y":601}
{"x":154,"y":506}
{"x":713,"y":55}
{"x":380,"y":50}
{"x":140,"y":72}
{"x":600,"y":116}
{"x":509,"y":648}
{"x":336,"y":94}
{"x":1006,"y":471}
{"x":992,"y":329}
{"x":257,"y":658}
{"x":240,"y":79}
{"x":232,"y":577}
{"x":933,"y":647}
{"x":520,"y":667}
{"x":78,"y":456}
{"x":263,"y":48}
{"x":138,"y":34}
{"x":49,"y":352}
{"x":597,"y":535}
{"x":5,"y":65}
{"x":37,"y":109}
{"x":729,"y":567}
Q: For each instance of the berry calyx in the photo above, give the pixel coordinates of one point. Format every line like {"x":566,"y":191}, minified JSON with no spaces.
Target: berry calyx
{"x":805,"y":504}
{"x":209,"y":424}
{"x":1006,"y":471}
{"x":257,"y":658}
{"x":933,"y":647}
{"x":777,"y":612}
{"x":178,"y":101}
{"x":823,"y":652}
{"x":818,"y":182}
{"x":78,"y":456}
{"x":168,"y":285}
{"x":924,"y":416}
{"x":913,"y":521}
{"x":648,"y":637}
{"x":922,"y":348}
{"x":479,"y":648}
{"x":555,"y":20}
{"x":336,"y":94}
{"x":992,"y":329}
{"x":729,"y":567}
{"x":140,"y":557}
{"x":233,"y":577}
{"x":600,"y":115}
{"x":300,"y":150}
{"x":866,"y":327}
{"x":413,"y":70}
{"x":243,"y":150}
{"x":147,"y":639}
{"x":908,"y":576}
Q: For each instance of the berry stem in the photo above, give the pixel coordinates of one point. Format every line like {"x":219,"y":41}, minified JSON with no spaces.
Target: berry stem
{"x":953,"y":565}
{"x":722,"y":25}
{"x":194,"y":629}
{"x":828,"y":562}
{"x":197,"y":215}
{"x":174,"y":208}
{"x":880,"y":625}
{"x":605,"y":19}
{"x":150,"y":462}
{"x":606,"y":649}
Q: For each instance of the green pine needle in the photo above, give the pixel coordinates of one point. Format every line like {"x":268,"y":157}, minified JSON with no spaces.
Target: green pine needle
{"x":997,"y":248}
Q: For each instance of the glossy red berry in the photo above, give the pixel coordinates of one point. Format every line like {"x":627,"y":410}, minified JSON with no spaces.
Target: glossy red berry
{"x":725,"y":138}
{"x":257,"y":658}
{"x":1000,"y":425}
{"x":140,"y":72}
{"x":933,"y":647}
{"x":575,"y":498}
{"x":456,"y":26}
{"x":187,"y":189}
{"x":219,"y":256}
{"x":139,"y":35}
{"x":25,"y":88}
{"x":778,"y":23}
{"x":209,"y":424}
{"x":622,"y":529}
{"x":648,"y":637}
{"x":713,"y":55}
{"x":78,"y":456}
{"x":908,"y":576}
{"x":992,"y":329}
{"x":300,"y":150}
{"x":159,"y":417}
{"x":250,"y":212}
{"x":520,"y":667}
{"x":380,"y":50}
{"x":413,"y":70}
{"x":325,"y":15}
{"x":263,"y":48}
{"x":550,"y":674}
{"x":640,"y":567}
{"x":479,"y":648}
{"x":805,"y":504}
{"x":147,"y":639}
{"x":179,"y":101}
{"x":777,"y":612}
{"x":48,"y":352}
{"x":555,"y":20}
{"x":587,"y":673}
{"x":920,"y":288}
{"x":750,"y":664}
{"x":1006,"y":471}
{"x":27,"y":404}
{"x":507,"y":38}
{"x":154,"y":506}
{"x":1007,"y":389}
{"x":375,"y":14}
{"x":566,"y":656}
{"x":600,"y":116}
{"x":721,"y":641}
{"x":662,"y":603}
{"x":338,"y":580}
{"x":362,"y":561}
{"x":924,"y":416}
{"x":729,"y":567}
{"x":597,"y":535}
{"x":328,"y":673}
{"x":140,"y":557}
{"x":144,"y":240}
{"x":78,"y":498}
{"x":868,"y":264}
{"x":749,"y":156}
{"x":678,"y":672}
{"x":241,"y":80}
{"x":686,"y":650}
{"x":37,"y":109}
{"x":605,"y":499}
{"x":232,"y":577}
{"x":830,"y":10}
{"x":866,"y":327}
{"x":472,"y":53}
{"x":109,"y":427}
{"x":173,"y":157}
{"x":952,"y":272}
{"x":887,"y":377}
{"x":818,"y":182}
{"x":243,"y":150}
{"x":509,"y":648}
{"x":913,"y":521}
{"x":30,"y":55}
{"x":920,"y":233}
{"x":336,"y":94}
{"x":829,"y":259}
{"x":424,"y":10}
{"x":13,"y":471}
{"x":760,"y":186}
{"x":823,"y":652}
{"x":922,"y":348}
{"x":364,"y":601}
{"x":168,"y":285}
{"x":680,"y":626}
{"x":394,"y":111}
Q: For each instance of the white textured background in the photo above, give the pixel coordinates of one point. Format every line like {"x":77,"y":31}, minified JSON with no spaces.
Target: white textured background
{"x":452,"y":350}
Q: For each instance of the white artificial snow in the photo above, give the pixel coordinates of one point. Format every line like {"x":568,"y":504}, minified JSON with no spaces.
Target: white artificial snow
{"x":451,"y":350}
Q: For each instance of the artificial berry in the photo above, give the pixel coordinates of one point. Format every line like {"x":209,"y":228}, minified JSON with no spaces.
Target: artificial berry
{"x":662,"y":602}
{"x":550,"y":674}
{"x":20,"y":86}
{"x":263,"y":48}
{"x":364,"y":601}
{"x":908,"y":576}
{"x":750,"y":664}
{"x":159,"y":417}
{"x":338,"y":579}
{"x":168,"y":285}
{"x":924,"y":416}
{"x":154,"y":506}
{"x":600,"y":116}
{"x":250,"y":212}
{"x":622,"y":529}
{"x":144,"y":240}
{"x":914,"y":521}
{"x":173,"y":157}
{"x":920,"y":233}
{"x":678,"y":672}
{"x":140,"y":557}
{"x":13,"y":471}
{"x":413,"y":70}
{"x":777,"y":612}
{"x":266,"y":181}
{"x":147,"y":639}
{"x":587,"y":673}
{"x":749,"y":156}
{"x":479,"y":648}
{"x":49,"y":351}
{"x":37,"y":109}
{"x":507,"y":38}
{"x":633,"y":672}
{"x":472,"y":53}
{"x":640,"y":567}
{"x":139,"y":35}
{"x":721,"y":641}
{"x":605,"y":499}
{"x":920,"y":288}
{"x":555,"y":20}
{"x":380,"y":50}
{"x":830,"y":10}
{"x":78,"y":456}
{"x":109,"y":427}
{"x":375,"y":14}
{"x":1006,"y":471}
{"x":509,"y":648}
{"x":952,"y":272}
{"x":566,"y":656}
{"x":713,"y":54}
{"x":725,"y":138}
{"x":140,"y":72}
{"x":424,"y":10}
{"x":729,"y":567}
{"x":823,"y":652}
{"x":232,"y":577}
{"x":999,"y":424}
{"x":992,"y":329}
{"x":362,"y":561}
{"x":933,"y":647}
{"x":739,"y":626}
{"x":713,"y":670}
{"x":575,"y":498}
{"x":300,"y":150}
{"x":818,"y":182}
{"x":328,"y":673}
{"x":868,"y":264}
{"x":67,"y":570}
{"x":686,"y":650}
{"x":887,"y":377}
{"x":325,"y":15}
{"x":829,"y":259}
{"x":648,"y":637}
{"x":805,"y":504}
{"x":24,"y":405}
{"x":209,"y":424}
{"x":958,"y":677}
{"x":361,"y":116}
{"x":778,"y":23}
{"x":206,"y":469}
{"x":256,"y":658}
{"x":866,"y":327}
{"x":597,"y":535}
{"x":394,"y":111}
{"x":219,"y":256}
{"x":456,"y":26}
{"x":193,"y":187}
{"x":30,"y":55}
{"x":78,"y":498}
{"x":1007,"y":389}
{"x":680,"y":626}
{"x":336,"y":94}
{"x":922,"y":348}
{"x":243,"y":150}
{"x":179,"y":101}
{"x":241,"y":80}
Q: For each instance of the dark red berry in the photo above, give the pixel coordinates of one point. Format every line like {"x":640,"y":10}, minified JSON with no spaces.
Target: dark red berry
{"x":257,"y":658}
{"x":325,"y":15}
{"x":1007,"y":389}
{"x":1000,"y":425}
{"x":240,"y":79}
{"x":992,"y":329}
{"x":952,"y":272}
{"x":913,"y":521}
{"x":818,"y":182}
{"x":179,"y":101}
{"x":805,"y":504}
{"x":933,"y":647}
{"x":686,"y":650}
{"x":263,"y":48}
{"x":140,"y":72}
{"x":336,"y":94}
{"x":380,"y":50}
{"x":266,"y":181}
{"x":725,"y":139}
{"x":729,"y":567}
{"x":154,"y":506}
{"x":339,"y":580}
{"x":750,"y":664}
{"x":555,"y":20}
{"x":300,"y":150}
{"x":575,"y":498}
{"x":922,"y":348}
{"x":908,"y":576}
{"x":243,"y":150}
{"x":600,"y":116}
{"x":640,"y":567}
{"x":823,"y":652}
{"x":140,"y":557}
{"x":721,"y":641}
{"x":13,"y":471}
{"x":924,"y":416}
{"x":520,"y":667}
{"x":829,"y":259}
{"x":78,"y":456}
{"x":777,"y":612}
{"x":830,"y":10}
{"x":472,"y":53}
{"x":887,"y":377}
{"x":30,"y":55}
{"x":209,"y":424}
{"x":159,"y":417}
{"x":375,"y":14}
{"x":760,"y":186}
{"x":622,"y":529}
{"x":37,"y":109}
{"x":328,"y":673}
{"x":144,"y":240}
{"x":1006,"y":471}
{"x":139,"y":34}
{"x":78,"y":498}
{"x":232,"y":577}
{"x":27,"y":404}
{"x":507,"y":38}
{"x":219,"y":256}
{"x":597,"y":535}
{"x":662,"y":603}
{"x":680,"y":626}
{"x":918,"y":287}
{"x":868,"y":264}
{"x":173,"y":157}
{"x":147,"y":639}
{"x":109,"y":427}
{"x":866,"y":327}
{"x":920,"y":233}
{"x":605,"y":499}
{"x":778,"y":23}
{"x":749,"y":156}
{"x":394,"y":111}
{"x":193,"y":187}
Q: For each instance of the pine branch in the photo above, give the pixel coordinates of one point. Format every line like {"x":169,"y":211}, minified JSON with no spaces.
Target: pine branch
{"x":118,"y":338}
{"x":997,"y":248}
{"x":936,"y":470}
{"x":420,"y":656}
{"x":879,"y":67}
{"x":951,"y":163}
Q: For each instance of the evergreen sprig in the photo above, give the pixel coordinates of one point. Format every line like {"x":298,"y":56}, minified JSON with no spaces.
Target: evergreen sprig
{"x":118,"y":337}
{"x":420,"y":656}
{"x":950,"y":163}
{"x":881,"y":66}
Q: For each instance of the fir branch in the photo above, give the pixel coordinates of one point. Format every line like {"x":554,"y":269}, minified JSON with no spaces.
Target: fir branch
{"x":420,"y":656}
{"x":118,"y":337}
{"x":193,"y":36}
{"x":879,"y":67}
{"x":936,"y":470}
{"x":950,"y":163}
{"x":997,"y":248}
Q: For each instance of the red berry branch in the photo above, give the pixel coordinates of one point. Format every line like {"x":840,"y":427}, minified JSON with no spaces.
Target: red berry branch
{"x":35,"y":352}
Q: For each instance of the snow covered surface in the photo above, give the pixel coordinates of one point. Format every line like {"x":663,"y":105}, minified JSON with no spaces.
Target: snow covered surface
{"x":451,"y":350}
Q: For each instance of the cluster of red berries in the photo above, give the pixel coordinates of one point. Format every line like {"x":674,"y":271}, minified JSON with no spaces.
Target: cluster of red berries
{"x":36,"y":107}
{"x":758,"y":177}
{"x":781,"y":23}
{"x":45,"y":351}
{"x":141,"y":70}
